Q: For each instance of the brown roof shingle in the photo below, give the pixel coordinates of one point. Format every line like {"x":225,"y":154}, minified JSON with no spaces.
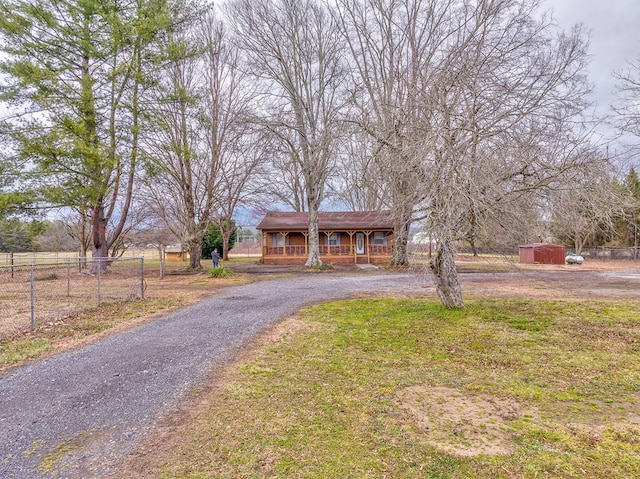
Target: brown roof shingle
{"x":327,"y":220}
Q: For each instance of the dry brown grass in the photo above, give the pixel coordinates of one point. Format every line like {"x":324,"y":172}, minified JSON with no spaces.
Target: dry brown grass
{"x":84,"y":322}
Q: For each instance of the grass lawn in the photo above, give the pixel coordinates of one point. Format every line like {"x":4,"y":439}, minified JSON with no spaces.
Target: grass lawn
{"x":402,"y":388}
{"x":399,"y":388}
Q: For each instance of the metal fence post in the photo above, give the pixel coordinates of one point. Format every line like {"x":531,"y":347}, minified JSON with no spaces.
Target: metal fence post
{"x":33,"y":308}
{"x":68,"y":277}
{"x":99,"y":275}
{"x":142,"y":277}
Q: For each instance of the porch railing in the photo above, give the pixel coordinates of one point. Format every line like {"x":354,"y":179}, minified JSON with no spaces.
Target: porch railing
{"x":285,"y":251}
{"x":341,"y":250}
{"x":380,"y":250}
{"x":336,"y":250}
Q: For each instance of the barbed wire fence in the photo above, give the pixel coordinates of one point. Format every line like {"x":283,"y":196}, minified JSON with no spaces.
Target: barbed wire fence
{"x":35,"y":294}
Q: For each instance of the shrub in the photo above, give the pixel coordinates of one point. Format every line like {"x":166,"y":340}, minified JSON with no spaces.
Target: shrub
{"x":220,"y":272}
{"x":323,"y":267}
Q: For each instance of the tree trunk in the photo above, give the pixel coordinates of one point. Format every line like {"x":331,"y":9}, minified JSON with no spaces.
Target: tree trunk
{"x":195,"y":253}
{"x":225,"y":226}
{"x":100,"y":247}
{"x":444,"y":269}
{"x":579,"y":244}
{"x":85,"y":238}
{"x":226,"y":239}
{"x":400,"y":240}
{"x":400,"y":252}
{"x":84,"y":253}
{"x":313,"y":240}
{"x":161,"y":250}
{"x":194,"y":234}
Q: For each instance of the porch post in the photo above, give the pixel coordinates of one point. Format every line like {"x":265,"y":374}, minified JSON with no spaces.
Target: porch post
{"x":264,"y":244}
{"x":367,"y":246}
{"x":284,"y":242}
{"x":352,"y":250}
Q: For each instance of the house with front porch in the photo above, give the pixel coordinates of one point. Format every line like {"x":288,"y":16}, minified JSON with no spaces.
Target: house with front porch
{"x":346,"y":237}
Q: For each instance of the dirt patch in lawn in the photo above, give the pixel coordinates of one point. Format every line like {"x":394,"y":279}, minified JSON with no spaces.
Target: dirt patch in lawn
{"x":459,"y":424}
{"x":470,"y":425}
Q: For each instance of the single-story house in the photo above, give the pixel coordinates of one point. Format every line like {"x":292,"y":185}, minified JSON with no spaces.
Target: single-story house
{"x":346,"y":237}
{"x":542,"y":253}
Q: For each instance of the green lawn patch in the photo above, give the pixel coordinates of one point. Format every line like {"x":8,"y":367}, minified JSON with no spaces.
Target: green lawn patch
{"x":403,"y":388}
{"x":11,"y":353}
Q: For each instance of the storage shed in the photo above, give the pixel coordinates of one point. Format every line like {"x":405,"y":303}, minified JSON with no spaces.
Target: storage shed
{"x":542,"y":253}
{"x":175,"y":253}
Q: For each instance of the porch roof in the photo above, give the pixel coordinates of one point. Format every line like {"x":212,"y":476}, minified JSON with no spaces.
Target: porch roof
{"x":327,"y":220}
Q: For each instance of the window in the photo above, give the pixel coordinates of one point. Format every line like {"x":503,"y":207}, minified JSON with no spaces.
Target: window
{"x":279,"y":240}
{"x":379,"y":238}
{"x":333,"y":239}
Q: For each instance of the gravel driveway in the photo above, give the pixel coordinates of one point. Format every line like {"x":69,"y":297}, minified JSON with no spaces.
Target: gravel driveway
{"x":74,"y":415}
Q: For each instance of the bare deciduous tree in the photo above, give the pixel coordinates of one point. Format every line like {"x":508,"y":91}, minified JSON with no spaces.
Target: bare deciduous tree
{"x":631,"y":217}
{"x":501,"y":105}
{"x":177,"y":170}
{"x":234,"y":157}
{"x":588,"y":207}
{"x":295,"y":50}
{"x":236,"y":182}
{"x":200,"y":106}
{"x":392,"y":45}
{"x":56,"y":237}
{"x":459,"y":95}
{"x":358,"y":183}
{"x":627,"y":113}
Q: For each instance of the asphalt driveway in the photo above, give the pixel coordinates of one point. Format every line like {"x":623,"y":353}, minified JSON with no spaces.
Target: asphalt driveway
{"x":74,"y":415}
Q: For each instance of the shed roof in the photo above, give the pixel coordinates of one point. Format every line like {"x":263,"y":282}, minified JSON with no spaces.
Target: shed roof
{"x":327,"y":220}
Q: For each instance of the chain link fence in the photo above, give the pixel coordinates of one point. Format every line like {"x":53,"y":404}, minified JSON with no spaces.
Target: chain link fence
{"x":55,"y":257}
{"x":39,"y":293}
{"x":602,"y":253}
{"x":609,"y":253}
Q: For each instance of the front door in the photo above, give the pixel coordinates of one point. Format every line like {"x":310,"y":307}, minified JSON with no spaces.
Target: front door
{"x":360,"y":243}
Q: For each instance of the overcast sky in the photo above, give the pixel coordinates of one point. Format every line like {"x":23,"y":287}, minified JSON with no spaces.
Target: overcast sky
{"x":615,"y":36}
